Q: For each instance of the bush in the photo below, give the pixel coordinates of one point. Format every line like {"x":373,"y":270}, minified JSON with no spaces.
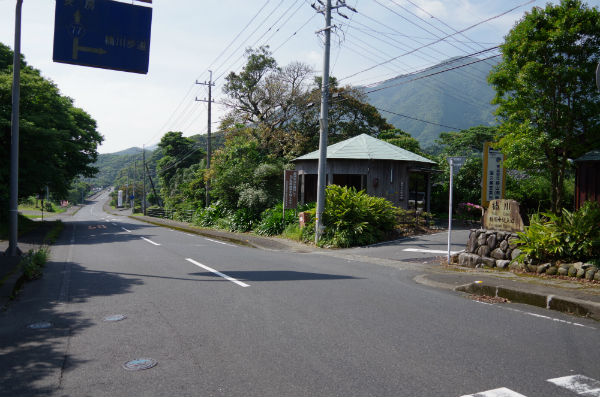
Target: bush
{"x":33,"y":262}
{"x":352,"y":218}
{"x":208,"y":217}
{"x":272,"y":222}
{"x":242,"y":220}
{"x":569,"y":236}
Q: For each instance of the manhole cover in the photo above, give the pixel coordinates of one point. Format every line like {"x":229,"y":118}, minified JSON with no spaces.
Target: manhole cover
{"x":139,"y":364}
{"x":115,"y":317}
{"x":40,"y":325}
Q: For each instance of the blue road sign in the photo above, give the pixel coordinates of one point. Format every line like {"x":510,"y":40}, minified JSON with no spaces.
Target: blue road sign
{"x":103,"y":34}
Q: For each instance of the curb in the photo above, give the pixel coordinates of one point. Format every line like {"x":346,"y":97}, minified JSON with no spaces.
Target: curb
{"x":547,"y":301}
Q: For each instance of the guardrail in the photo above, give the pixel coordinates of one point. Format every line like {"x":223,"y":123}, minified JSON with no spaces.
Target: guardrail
{"x":184,"y":215}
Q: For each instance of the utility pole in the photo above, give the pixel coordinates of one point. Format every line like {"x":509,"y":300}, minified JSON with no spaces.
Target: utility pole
{"x":324,"y":9}
{"x":127,"y":186}
{"x":210,"y":84}
{"x":133,"y":187}
{"x":13,"y":209}
{"x":144,"y":179}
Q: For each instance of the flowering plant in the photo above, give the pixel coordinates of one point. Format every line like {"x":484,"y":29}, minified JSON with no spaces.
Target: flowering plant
{"x":470,"y":210}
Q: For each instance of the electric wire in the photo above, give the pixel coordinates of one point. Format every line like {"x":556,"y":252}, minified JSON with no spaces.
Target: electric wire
{"x":436,"y":41}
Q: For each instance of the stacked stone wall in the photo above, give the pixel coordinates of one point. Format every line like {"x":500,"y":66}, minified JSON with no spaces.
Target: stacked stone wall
{"x":489,"y":248}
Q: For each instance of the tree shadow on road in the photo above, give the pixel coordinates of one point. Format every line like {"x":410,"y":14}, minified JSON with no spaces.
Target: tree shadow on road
{"x":32,"y":361}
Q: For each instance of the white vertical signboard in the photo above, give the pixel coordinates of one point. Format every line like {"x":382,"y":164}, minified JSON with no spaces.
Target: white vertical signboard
{"x":120,"y":199}
{"x":493,"y":175}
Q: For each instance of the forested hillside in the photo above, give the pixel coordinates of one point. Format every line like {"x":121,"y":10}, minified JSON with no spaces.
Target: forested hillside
{"x":457,"y":99}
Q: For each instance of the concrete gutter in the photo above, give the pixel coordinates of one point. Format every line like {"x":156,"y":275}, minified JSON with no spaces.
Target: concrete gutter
{"x":563,"y":304}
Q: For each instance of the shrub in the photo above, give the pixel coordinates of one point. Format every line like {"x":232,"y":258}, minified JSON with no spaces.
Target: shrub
{"x":272,"y":222}
{"x":241,"y":220}
{"x":33,"y":262}
{"x":207,"y":217}
{"x":570,"y":236}
{"x":353,"y":218}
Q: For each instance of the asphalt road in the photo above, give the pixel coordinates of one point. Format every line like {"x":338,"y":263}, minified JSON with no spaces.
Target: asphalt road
{"x":227,"y":320}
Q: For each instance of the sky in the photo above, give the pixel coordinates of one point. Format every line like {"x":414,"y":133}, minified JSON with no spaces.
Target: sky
{"x":384,"y":38}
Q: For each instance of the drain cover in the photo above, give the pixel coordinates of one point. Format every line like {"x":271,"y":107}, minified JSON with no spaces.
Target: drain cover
{"x":115,"y":317}
{"x":40,"y":325}
{"x":139,"y":364}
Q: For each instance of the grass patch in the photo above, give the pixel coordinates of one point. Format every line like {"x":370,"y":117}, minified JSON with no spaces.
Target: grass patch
{"x":292,"y":232}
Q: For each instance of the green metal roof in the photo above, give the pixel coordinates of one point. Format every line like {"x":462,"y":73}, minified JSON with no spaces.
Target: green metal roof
{"x":365,"y":147}
{"x":594,"y":155}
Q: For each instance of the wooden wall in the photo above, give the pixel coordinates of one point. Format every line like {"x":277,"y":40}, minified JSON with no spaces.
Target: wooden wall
{"x":383,"y":178}
{"x":587,"y":182}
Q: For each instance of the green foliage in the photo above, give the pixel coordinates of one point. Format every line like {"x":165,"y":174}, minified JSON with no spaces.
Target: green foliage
{"x":401,"y":139}
{"x":49,"y":125}
{"x":243,"y":176}
{"x":208,"y":217}
{"x":352,"y":218}
{"x":546,"y":91}
{"x":468,"y":142}
{"x":241,"y":220}
{"x":33,"y":263}
{"x":272,"y":222}
{"x":569,"y":236}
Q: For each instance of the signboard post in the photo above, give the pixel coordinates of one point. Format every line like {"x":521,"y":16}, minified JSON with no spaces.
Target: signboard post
{"x":494,"y":175}
{"x":455,"y":165}
{"x":102,"y":34}
{"x":290,"y":190}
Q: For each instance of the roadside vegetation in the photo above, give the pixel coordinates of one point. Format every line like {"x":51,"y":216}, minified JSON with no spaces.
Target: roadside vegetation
{"x":547,"y":116}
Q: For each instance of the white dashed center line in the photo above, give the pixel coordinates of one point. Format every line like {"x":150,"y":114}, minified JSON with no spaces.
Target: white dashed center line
{"x":233,"y":280}
{"x":150,"y":241}
{"x":128,"y":231}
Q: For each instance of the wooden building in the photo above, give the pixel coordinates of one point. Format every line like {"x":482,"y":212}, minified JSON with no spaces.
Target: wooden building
{"x":373,"y":165}
{"x":587,"y":178}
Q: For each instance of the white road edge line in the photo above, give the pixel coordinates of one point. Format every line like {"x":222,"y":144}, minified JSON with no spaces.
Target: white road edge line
{"x":558,"y":320}
{"x":150,"y":241}
{"x":501,"y":392}
{"x":430,"y":251}
{"x":233,"y":280}
{"x":219,"y":242}
{"x":128,"y":231}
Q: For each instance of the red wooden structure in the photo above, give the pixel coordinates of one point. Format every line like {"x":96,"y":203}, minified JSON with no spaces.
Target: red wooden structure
{"x":587,"y":178}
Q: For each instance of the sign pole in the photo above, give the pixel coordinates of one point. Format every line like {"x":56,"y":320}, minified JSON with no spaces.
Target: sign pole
{"x":450,"y":207}
{"x":284,"y":194}
{"x":13,"y":211}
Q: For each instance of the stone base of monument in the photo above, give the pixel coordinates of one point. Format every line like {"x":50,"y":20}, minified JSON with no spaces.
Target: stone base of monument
{"x":494,"y":245}
{"x":489,"y":248}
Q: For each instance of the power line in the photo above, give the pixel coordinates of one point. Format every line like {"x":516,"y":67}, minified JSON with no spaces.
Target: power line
{"x":436,"y":41}
{"x":416,"y":119}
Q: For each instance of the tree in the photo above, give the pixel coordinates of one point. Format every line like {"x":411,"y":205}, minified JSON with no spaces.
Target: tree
{"x":177,"y":152}
{"x":349,"y":115}
{"x":58,"y":141}
{"x":466,"y":142}
{"x":243,"y":175}
{"x":401,"y":139}
{"x":282,"y":104}
{"x":546,"y":92}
